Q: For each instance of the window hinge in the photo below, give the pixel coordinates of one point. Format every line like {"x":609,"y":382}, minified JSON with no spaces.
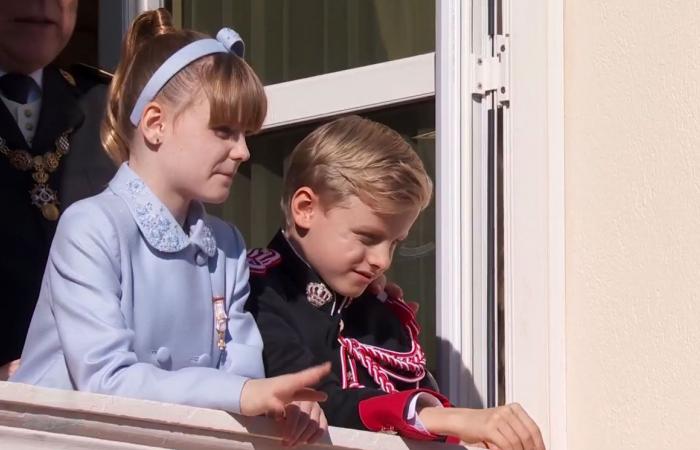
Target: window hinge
{"x":491,"y":73}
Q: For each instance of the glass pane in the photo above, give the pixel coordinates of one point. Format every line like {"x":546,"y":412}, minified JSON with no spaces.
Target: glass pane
{"x":254,"y":204}
{"x":291,"y":39}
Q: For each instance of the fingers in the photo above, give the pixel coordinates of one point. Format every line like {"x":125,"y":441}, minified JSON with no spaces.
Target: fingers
{"x":507,"y":431}
{"x":8,"y":369}
{"x":309,"y":395}
{"x":528,"y":428}
{"x":393,"y":290}
{"x":414,"y":307}
{"x":313,"y":424}
{"x":322,"y":428}
{"x":377,"y":286}
{"x":308,"y":377}
{"x":276,"y":409}
{"x":510,"y":428}
{"x":295,"y":418}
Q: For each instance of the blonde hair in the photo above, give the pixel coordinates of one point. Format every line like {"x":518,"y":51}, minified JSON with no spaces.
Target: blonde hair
{"x":236,"y":95}
{"x":353,"y":156}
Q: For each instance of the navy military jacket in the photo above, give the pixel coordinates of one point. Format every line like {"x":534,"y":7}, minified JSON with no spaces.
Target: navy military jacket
{"x":296,"y":335}
{"x":69,"y":101}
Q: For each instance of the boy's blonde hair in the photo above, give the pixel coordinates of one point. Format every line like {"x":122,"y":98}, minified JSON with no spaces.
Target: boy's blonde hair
{"x":356,"y":156}
{"x":236,"y":95}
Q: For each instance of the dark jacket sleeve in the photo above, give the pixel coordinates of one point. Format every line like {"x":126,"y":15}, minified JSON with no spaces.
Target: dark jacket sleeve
{"x":285,"y":352}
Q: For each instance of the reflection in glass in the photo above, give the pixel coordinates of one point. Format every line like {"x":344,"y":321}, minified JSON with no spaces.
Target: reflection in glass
{"x":292,"y":39}
{"x":254,"y":204}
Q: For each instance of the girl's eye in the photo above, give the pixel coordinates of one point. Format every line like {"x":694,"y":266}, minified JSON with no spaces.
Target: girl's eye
{"x":225,"y":133}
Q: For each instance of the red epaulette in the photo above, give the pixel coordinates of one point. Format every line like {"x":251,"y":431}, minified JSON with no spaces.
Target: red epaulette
{"x":404,"y":313}
{"x":262,"y":259}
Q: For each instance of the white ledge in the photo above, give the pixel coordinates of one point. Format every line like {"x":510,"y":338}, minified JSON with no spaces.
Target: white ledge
{"x":39,"y":418}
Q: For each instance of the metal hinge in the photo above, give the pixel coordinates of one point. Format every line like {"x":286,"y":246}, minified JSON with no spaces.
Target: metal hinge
{"x":491,"y":73}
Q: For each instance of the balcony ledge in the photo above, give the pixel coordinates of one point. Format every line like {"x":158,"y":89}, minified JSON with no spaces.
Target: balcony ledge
{"x":39,"y":418}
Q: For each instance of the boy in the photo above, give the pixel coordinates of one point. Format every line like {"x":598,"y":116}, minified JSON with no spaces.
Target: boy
{"x":352,"y":192}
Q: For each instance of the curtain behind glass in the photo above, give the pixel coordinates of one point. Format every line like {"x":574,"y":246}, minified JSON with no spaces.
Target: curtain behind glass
{"x":292,"y":39}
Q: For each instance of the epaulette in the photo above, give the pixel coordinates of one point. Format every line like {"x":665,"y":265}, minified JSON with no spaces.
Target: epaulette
{"x":404,"y":313}
{"x":83,"y":77}
{"x":93,"y":72}
{"x":262,"y":259}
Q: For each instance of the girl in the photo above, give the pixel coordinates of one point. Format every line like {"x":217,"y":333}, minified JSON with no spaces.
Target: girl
{"x":143,"y":292}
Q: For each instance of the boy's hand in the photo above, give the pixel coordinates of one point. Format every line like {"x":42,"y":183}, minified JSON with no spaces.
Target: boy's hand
{"x":393,"y":290}
{"x":380,"y":285}
{"x":271,"y":395}
{"x":8,"y":369}
{"x":304,"y":423}
{"x":506,"y":427}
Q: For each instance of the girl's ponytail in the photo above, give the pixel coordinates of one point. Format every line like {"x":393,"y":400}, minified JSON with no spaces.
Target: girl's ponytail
{"x":113,"y":134}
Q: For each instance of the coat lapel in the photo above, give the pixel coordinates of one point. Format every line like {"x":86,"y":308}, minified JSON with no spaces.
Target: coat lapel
{"x":60,"y":110}
{"x":9,"y":129}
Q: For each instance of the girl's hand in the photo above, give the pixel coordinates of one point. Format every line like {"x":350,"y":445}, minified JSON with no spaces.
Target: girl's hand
{"x":304,"y":423}
{"x":8,"y":369}
{"x":506,"y":427}
{"x":271,"y":395}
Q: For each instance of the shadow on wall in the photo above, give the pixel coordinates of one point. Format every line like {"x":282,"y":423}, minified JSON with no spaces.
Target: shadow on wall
{"x":462,"y":377}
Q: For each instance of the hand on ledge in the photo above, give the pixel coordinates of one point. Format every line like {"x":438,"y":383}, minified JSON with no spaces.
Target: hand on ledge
{"x":271,"y":395}
{"x":8,"y":369}
{"x":304,"y":423}
{"x":506,"y":427}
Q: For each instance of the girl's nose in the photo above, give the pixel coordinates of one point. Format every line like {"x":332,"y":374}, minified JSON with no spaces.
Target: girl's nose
{"x":239,"y":151}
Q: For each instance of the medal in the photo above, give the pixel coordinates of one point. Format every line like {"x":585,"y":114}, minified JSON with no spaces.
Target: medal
{"x":41,"y":195}
{"x":220,"y":319}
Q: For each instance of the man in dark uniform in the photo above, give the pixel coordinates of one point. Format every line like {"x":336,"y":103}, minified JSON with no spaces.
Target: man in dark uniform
{"x":50,"y":151}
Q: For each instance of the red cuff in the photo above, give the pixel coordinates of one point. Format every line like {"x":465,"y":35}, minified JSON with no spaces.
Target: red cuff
{"x":387,"y":413}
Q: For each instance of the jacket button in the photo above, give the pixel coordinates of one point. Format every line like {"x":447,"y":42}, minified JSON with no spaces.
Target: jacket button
{"x":203,"y":360}
{"x":200,"y":258}
{"x":161,"y":357}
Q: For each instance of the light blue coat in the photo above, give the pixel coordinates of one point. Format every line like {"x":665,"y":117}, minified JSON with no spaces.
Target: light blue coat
{"x":126,"y":303}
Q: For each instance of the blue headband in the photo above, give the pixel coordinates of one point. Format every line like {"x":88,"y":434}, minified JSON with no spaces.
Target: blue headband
{"x":227,"y":41}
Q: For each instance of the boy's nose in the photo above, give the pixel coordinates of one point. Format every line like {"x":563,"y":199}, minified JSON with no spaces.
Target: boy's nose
{"x":380,"y":258}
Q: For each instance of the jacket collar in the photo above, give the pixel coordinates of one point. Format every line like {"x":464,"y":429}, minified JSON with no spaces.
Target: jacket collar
{"x":156,"y":222}
{"x":302,"y":275}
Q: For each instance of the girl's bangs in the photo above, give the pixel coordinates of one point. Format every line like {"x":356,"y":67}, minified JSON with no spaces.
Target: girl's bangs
{"x":236,"y":95}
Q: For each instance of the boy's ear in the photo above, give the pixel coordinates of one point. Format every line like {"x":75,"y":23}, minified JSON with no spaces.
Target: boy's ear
{"x":152,"y":124}
{"x":304,"y":205}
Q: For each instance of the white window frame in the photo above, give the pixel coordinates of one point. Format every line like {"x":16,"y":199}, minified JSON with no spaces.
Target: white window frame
{"x":535,"y":218}
{"x":362,"y":88}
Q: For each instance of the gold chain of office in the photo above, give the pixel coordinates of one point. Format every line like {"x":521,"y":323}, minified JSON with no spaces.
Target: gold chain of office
{"x":41,"y":194}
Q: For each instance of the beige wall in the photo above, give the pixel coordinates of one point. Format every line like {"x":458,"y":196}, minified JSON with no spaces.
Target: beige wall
{"x":632,"y":133}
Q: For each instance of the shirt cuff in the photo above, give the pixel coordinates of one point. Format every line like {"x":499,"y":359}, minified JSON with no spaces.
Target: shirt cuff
{"x":425,"y":399}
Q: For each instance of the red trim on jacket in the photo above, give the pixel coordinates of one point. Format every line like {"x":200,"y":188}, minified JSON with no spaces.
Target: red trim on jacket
{"x":387,"y":413}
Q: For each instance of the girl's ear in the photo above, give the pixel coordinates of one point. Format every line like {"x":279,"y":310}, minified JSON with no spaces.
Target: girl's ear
{"x":152,"y":124}
{"x":305,"y":205}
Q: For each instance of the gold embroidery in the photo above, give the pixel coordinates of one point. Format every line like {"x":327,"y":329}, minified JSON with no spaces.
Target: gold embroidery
{"x":41,"y":194}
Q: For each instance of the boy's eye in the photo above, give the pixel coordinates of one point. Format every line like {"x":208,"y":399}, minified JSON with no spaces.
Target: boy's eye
{"x":372,"y":239}
{"x":368,"y":239}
